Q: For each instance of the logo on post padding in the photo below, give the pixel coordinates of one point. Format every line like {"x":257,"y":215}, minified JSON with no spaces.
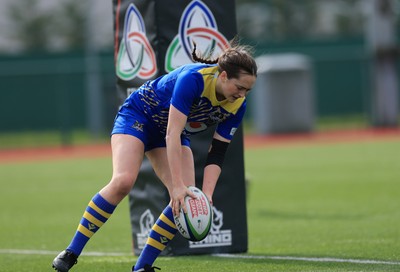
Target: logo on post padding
{"x":197,"y":25}
{"x":136,"y":57}
{"x":217,"y":236}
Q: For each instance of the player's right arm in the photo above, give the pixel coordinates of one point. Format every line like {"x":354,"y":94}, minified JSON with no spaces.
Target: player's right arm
{"x":187,"y":87}
{"x":176,"y":123}
{"x":185,"y":90}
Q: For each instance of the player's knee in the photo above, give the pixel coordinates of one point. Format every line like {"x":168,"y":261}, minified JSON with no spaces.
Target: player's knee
{"x":123,"y":183}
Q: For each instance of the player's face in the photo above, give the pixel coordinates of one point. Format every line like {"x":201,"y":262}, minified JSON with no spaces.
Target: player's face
{"x":235,"y":88}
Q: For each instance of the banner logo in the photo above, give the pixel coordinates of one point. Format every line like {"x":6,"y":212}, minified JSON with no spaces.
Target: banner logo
{"x":217,"y":236}
{"x":146,"y":223}
{"x":198,"y":25}
{"x":136,"y":57}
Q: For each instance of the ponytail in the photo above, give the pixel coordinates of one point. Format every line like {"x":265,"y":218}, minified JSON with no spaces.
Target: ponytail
{"x":234,"y":60}
{"x":197,"y":58}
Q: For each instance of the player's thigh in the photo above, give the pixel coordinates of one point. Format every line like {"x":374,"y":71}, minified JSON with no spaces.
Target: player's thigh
{"x":188,"y":169}
{"x":127,"y":156}
{"x":159,"y":161}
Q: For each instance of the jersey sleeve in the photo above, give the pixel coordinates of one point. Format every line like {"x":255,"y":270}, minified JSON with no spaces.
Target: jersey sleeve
{"x":188,"y":87}
{"x":228,"y":127}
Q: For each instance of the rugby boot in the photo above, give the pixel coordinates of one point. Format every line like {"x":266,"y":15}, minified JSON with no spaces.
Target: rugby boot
{"x":146,"y":268}
{"x":64,"y":261}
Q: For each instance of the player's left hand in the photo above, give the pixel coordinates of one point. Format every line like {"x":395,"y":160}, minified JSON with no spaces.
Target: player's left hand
{"x":178,"y":199}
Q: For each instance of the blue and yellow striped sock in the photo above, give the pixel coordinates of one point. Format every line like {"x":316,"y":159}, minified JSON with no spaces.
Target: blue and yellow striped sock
{"x":160,"y":235}
{"x":96,"y":214}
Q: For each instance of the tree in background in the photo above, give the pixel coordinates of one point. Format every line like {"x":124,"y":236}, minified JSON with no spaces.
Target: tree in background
{"x":71,"y":22}
{"x":35,"y":28}
{"x":59,"y":25}
{"x":31,"y":25}
{"x":293,"y":19}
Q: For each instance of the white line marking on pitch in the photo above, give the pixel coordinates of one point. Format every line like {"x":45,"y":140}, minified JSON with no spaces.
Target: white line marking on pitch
{"x":48,"y":252}
{"x":307,"y":259}
{"x":237,"y":256}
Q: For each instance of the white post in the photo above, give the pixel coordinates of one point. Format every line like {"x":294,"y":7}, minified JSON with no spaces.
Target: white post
{"x":94,"y":93}
{"x":381,"y":42}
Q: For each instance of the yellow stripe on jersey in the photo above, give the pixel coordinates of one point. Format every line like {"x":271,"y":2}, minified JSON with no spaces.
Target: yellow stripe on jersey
{"x":167,"y":221}
{"x":93,"y":219}
{"x":82,"y":229}
{"x":155,"y":244}
{"x":232,"y":107}
{"x":97,"y":209}
{"x":210,"y":76}
{"x":163,"y":232}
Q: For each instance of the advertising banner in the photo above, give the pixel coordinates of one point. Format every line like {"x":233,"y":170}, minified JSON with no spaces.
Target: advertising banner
{"x":153,"y":38}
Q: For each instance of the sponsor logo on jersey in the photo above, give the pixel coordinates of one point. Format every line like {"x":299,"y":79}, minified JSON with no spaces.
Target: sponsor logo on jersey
{"x":194,"y":127}
{"x":217,"y":116}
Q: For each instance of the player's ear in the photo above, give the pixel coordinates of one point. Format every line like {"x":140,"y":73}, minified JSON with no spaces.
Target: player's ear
{"x":223,"y":76}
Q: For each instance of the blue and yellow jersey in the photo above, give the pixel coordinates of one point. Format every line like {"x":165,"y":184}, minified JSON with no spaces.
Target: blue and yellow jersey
{"x":191,"y":89}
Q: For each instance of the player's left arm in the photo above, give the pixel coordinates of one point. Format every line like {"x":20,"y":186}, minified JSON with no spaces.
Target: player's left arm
{"x":215,"y":159}
{"x":216,"y":154}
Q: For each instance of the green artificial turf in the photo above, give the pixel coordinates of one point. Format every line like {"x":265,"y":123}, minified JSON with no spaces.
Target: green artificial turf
{"x":321,"y":207}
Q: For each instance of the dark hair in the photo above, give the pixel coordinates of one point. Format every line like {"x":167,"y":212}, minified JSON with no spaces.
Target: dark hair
{"x":234,"y":60}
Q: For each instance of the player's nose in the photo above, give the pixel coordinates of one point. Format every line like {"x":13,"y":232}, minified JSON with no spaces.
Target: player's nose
{"x":242,"y":94}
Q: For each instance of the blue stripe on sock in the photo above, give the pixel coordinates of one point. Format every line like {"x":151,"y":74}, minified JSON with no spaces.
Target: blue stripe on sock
{"x":78,"y":243}
{"x":149,"y":258}
{"x":89,"y":225}
{"x":168,"y":213}
{"x":103,"y":204}
{"x":156,"y":236}
{"x":163,"y":225}
{"x":149,"y":254}
{"x":96,"y":214}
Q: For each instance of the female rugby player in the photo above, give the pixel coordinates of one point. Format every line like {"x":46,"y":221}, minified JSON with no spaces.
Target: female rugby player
{"x":157,"y":121}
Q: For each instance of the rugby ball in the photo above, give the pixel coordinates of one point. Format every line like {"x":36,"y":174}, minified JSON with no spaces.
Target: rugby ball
{"x":196,"y":223}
